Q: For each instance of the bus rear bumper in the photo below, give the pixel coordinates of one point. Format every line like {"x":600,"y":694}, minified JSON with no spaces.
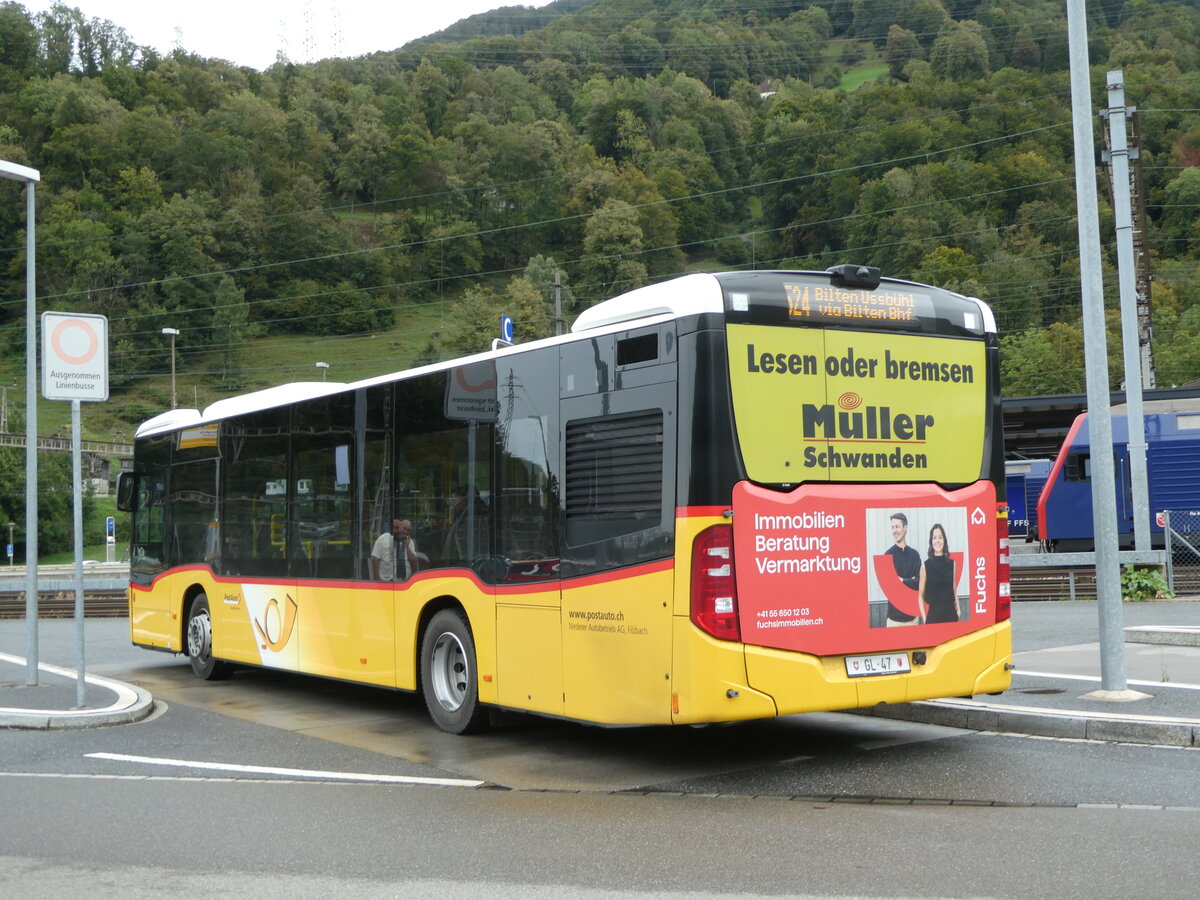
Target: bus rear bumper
{"x":975,"y":663}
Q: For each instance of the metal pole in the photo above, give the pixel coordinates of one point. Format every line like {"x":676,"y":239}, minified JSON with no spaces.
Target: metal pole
{"x":31,"y":497}
{"x":1127,"y":278}
{"x":1104,"y":505}
{"x":1167,"y":545}
{"x":558,"y":321}
{"x":77,"y":498}
{"x":174,"y":404}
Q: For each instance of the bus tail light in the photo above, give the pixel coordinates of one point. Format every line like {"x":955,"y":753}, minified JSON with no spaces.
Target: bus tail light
{"x":714,"y":590}
{"x":1003,"y":566}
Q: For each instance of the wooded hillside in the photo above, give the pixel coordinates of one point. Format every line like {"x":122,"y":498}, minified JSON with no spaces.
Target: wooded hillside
{"x":616,"y":141}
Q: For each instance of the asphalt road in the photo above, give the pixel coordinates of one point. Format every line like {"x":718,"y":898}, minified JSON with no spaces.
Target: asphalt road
{"x":820,"y":805}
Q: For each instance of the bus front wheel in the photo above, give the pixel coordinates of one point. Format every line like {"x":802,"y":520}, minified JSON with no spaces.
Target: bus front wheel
{"x":448,"y":678}
{"x":200,"y":642}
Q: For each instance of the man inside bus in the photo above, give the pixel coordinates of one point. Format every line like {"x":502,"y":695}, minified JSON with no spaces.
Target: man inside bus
{"x":395,"y":556}
{"x":467,"y":534}
{"x":907,"y":562}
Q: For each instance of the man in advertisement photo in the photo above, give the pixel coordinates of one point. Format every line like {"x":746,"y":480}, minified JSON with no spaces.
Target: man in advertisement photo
{"x":907,"y":563}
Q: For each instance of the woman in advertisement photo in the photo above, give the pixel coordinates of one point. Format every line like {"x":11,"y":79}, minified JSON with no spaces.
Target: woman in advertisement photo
{"x":936,"y":596}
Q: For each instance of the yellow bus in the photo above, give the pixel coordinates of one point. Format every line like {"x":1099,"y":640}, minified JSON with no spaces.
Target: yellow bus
{"x":720,"y":497}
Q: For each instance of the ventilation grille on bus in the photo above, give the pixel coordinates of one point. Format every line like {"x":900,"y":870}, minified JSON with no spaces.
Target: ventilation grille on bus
{"x":615,"y":468}
{"x":642,"y":348}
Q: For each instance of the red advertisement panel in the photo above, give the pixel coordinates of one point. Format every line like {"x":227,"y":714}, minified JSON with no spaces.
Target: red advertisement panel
{"x":834,"y":569}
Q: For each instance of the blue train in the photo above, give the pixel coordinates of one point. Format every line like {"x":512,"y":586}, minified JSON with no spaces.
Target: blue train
{"x":1024,"y":479}
{"x":1064,"y":508}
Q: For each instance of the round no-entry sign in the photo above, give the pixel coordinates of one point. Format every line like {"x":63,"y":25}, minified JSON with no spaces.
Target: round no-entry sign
{"x":74,"y":356}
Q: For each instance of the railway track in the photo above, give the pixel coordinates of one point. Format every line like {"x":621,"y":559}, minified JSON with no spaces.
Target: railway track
{"x":97,"y":604}
{"x":1053,"y":583}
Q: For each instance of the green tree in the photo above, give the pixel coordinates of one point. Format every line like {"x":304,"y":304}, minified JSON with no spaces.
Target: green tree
{"x":612,"y":248}
{"x":431,"y":92}
{"x":477,"y":317}
{"x":231,"y":326}
{"x":961,"y":55}
{"x":359,"y":167}
{"x":1179,"y":222}
{"x":454,"y":251}
{"x":18,"y":46}
{"x":902,"y":46}
{"x":951,"y":268}
{"x":55,"y":528}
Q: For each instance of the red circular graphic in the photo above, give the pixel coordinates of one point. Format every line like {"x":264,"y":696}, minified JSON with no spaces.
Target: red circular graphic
{"x":849,"y":400}
{"x":89,"y":335}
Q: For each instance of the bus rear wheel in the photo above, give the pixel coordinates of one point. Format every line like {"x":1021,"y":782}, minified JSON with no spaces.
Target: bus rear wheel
{"x":200,"y":642}
{"x":448,"y":677}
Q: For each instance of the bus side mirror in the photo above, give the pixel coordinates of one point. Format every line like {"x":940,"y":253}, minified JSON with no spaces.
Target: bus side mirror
{"x":126,"y":490}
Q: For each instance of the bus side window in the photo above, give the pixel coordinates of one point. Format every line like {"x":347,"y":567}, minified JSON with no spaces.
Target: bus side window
{"x":146,"y":542}
{"x":253,"y":527}
{"x":526,"y":495}
{"x":321,"y":506}
{"x":443,"y":468}
{"x":193,"y":505}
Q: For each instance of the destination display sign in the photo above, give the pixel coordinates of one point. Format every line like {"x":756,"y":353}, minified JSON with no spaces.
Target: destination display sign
{"x":826,"y":303}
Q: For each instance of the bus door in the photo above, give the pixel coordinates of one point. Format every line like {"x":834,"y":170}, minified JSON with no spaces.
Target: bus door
{"x":256,"y":618}
{"x":618,"y":502}
{"x":344,"y":633}
{"x":526,"y":564}
{"x":149,"y":610}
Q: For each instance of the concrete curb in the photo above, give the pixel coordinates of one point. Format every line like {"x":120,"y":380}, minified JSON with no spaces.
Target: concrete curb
{"x":1175,"y":636}
{"x":132,"y":704}
{"x":976,"y":715}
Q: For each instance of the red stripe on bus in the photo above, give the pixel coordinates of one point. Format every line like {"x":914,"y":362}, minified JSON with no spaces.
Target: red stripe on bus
{"x":698,"y":512}
{"x":533,"y":587}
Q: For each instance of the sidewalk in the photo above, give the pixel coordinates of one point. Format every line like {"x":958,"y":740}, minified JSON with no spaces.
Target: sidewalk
{"x":1052,"y":687}
{"x":51,"y":703}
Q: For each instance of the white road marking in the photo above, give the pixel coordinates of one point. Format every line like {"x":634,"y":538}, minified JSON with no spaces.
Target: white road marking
{"x":1097,"y":741}
{"x":1179,"y":685}
{"x":967,"y":703}
{"x":290,"y":773}
{"x":126,"y":696}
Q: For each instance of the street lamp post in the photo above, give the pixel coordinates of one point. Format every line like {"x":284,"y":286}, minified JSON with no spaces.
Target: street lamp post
{"x":30,"y":177}
{"x":173,"y":332}
{"x":324,"y":367}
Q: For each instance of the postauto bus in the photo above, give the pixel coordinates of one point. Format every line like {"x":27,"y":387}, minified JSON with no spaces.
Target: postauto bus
{"x":718,"y":498}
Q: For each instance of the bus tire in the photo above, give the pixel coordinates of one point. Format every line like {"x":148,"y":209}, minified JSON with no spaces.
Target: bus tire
{"x":199,"y":642}
{"x":449,"y":679}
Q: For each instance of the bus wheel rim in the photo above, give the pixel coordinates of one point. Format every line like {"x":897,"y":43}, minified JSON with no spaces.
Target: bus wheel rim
{"x":449,"y":672}
{"x":200,"y":637}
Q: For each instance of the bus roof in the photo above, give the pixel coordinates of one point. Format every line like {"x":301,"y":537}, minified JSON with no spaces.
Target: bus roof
{"x":663,"y":301}
{"x":280,"y":395}
{"x":689,"y":295}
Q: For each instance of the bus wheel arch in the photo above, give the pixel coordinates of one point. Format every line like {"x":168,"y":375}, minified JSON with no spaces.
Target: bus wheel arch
{"x":449,"y":676}
{"x":198,"y":637}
